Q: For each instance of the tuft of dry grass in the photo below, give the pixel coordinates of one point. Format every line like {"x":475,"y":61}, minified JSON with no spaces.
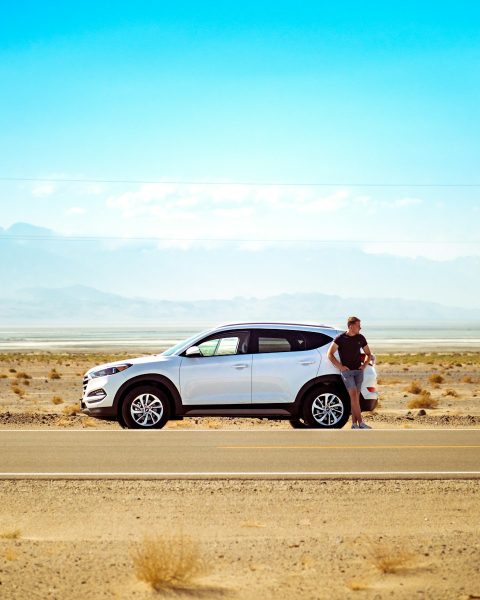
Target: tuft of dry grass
{"x":23,"y":375}
{"x":467,"y":379}
{"x":3,"y":376}
{"x":436,"y":378}
{"x":168,"y":562}
{"x":63,"y":422}
{"x":90,"y":422}
{"x":54,"y":374}
{"x":12,"y":534}
{"x":10,"y":554}
{"x":390,"y":559}
{"x":424,"y":400}
{"x":357,"y":585}
{"x":450,"y":392}
{"x":71,"y":410}
{"x":57,"y":400}
{"x":414,"y":388}
{"x":16,"y":389}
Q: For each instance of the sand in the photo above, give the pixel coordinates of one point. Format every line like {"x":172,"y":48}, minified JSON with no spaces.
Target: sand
{"x":260,"y":539}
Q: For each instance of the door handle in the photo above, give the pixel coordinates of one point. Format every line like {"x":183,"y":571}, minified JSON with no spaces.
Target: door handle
{"x":240,"y":366}
{"x":306,"y":362}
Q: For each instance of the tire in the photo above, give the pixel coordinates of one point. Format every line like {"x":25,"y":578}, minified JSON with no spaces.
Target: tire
{"x":326,"y":407}
{"x":298,"y":423}
{"x":145,"y":407}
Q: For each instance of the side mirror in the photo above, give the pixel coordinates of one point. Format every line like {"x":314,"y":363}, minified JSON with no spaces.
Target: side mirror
{"x":193,"y":351}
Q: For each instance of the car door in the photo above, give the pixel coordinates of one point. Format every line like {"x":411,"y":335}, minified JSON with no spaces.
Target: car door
{"x":222,"y":375}
{"x":281,"y":364}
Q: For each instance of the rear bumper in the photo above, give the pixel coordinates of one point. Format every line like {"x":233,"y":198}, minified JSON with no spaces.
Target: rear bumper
{"x":368,"y":404}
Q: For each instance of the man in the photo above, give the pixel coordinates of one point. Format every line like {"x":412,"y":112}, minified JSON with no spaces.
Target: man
{"x":351,"y":364}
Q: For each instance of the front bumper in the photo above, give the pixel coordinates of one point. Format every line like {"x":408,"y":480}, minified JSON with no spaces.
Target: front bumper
{"x":109,"y":413}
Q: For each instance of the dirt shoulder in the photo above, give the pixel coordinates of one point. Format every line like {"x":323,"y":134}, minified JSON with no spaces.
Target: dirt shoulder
{"x":261,"y":539}
{"x":42,"y":390}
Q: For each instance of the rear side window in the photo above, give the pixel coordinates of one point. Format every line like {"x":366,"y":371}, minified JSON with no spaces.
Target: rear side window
{"x":316,"y":340}
{"x":273,"y":340}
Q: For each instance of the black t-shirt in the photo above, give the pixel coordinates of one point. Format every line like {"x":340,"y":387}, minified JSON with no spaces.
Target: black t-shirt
{"x":349,"y":347}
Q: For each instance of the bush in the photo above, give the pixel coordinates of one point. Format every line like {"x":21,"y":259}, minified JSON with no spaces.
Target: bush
{"x":414,"y":388}
{"x":390,"y":559}
{"x":424,"y":400}
{"x":168,"y":562}
{"x":435,"y":378}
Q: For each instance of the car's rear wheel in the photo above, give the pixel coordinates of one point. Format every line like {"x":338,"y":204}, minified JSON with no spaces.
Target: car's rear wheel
{"x":326,"y":408}
{"x":145,"y":407}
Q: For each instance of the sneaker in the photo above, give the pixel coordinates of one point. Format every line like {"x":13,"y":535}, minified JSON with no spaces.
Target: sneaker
{"x":363,"y":425}
{"x":355,"y":426}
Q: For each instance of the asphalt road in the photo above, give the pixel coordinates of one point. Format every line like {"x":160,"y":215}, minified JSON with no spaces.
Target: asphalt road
{"x":263,"y":454}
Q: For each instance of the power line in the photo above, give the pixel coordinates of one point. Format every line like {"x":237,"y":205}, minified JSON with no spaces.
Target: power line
{"x":245,"y":183}
{"x":94,"y":238}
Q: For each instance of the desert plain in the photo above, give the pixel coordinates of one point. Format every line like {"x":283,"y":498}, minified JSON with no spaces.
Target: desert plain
{"x":242,"y":539}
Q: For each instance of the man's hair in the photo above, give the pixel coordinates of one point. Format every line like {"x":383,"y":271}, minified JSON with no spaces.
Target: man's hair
{"x":352,"y":321}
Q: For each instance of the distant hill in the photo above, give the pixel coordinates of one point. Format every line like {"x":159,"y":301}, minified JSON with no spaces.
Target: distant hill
{"x":36,"y":257}
{"x":83,"y":305}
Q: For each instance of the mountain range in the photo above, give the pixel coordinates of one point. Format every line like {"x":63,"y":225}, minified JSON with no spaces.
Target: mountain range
{"x":81,"y":305}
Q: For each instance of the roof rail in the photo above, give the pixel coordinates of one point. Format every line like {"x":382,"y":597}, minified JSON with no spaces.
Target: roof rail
{"x":276,"y":323}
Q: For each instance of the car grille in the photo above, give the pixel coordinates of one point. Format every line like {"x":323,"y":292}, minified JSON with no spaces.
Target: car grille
{"x":85,"y":381}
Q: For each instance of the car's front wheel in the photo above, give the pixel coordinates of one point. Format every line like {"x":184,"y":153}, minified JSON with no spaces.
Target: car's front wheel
{"x":326,"y":408}
{"x":145,"y":407}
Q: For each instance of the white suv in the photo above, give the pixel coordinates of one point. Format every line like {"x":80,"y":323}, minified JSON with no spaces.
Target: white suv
{"x":272,"y":370}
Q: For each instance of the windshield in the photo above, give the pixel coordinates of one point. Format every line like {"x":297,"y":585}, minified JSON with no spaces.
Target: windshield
{"x":173,"y":349}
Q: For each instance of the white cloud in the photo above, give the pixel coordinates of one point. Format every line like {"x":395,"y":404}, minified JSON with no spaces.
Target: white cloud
{"x":76,"y":210}
{"x":403,"y":202}
{"x":43,"y":189}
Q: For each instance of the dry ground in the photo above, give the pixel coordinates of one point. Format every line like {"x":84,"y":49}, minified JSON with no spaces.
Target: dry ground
{"x":278,"y":540}
{"x":284,"y":540}
{"x":43,"y":390}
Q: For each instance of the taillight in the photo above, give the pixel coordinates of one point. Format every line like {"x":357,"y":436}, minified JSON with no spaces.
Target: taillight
{"x":371,"y":389}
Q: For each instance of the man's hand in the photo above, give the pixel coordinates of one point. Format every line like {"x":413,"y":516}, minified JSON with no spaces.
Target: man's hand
{"x":344,"y":368}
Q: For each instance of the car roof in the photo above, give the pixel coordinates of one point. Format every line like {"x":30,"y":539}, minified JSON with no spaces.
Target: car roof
{"x":276,"y":324}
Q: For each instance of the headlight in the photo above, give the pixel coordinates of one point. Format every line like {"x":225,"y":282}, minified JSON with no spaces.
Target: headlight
{"x":109,"y":371}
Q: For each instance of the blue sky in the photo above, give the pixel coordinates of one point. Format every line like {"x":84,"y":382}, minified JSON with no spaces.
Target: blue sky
{"x":366,"y":92}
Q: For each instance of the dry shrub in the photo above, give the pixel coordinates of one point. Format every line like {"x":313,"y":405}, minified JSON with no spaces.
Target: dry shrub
{"x":3,"y":375}
{"x":54,"y":374}
{"x":424,"y":400}
{"x":389,"y":559}
{"x":90,"y":422}
{"x":57,"y":400}
{"x":23,"y":375}
{"x":13,"y":534}
{"x":12,"y":370}
{"x":414,"y":388}
{"x":71,"y":410}
{"x":436,"y":378}
{"x":63,"y":422}
{"x":357,"y":585}
{"x":18,"y":390}
{"x":450,"y":392}
{"x":10,"y":554}
{"x":467,"y":379}
{"x":168,"y":562}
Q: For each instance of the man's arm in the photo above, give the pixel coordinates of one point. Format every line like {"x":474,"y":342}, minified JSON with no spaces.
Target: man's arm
{"x":330,"y":355}
{"x":367,"y":357}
